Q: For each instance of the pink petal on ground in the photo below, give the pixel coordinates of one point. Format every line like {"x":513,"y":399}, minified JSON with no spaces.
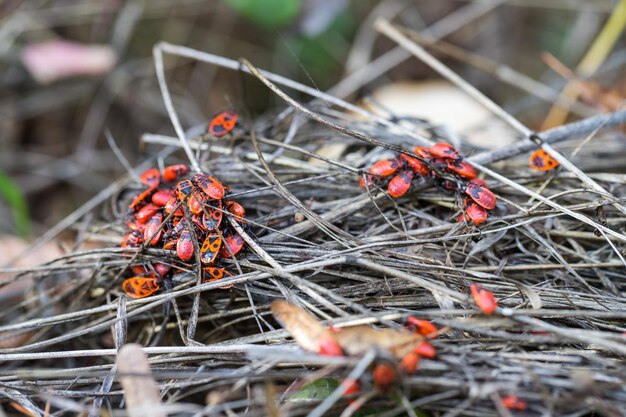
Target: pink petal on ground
{"x":54,"y":60}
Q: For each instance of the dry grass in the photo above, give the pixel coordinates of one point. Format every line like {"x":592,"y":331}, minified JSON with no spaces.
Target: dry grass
{"x":552,"y":253}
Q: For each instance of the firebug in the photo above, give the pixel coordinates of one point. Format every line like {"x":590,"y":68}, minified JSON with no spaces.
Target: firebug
{"x":222,"y":123}
{"x":174,"y":172}
{"x":140,"y":287}
{"x":485,"y":300}
{"x":542,"y":161}
{"x":400,"y":184}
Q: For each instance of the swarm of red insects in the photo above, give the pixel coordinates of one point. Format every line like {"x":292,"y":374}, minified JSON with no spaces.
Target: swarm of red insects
{"x":175,"y":209}
{"x":441,"y":165}
{"x":404,"y":347}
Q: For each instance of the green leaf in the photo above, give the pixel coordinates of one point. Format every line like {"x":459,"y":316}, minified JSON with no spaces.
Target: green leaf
{"x":316,"y":390}
{"x":267,"y":13}
{"x":14,"y":197}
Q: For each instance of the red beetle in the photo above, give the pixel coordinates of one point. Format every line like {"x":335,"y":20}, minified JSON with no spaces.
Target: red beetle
{"x":384,"y":376}
{"x":152,"y":232}
{"x":173,"y":204}
{"x":513,"y":402}
{"x":151,"y":177}
{"x":139,"y":269}
{"x":366,"y":178}
{"x":410,"y":362}
{"x":196,"y":201}
{"x":461,"y":168}
{"x":210,"y":248}
{"x":174,"y":172}
{"x":222,"y":123}
{"x":414,"y":164}
{"x":184,"y":189}
{"x":425,"y":350}
{"x":161,"y":197}
{"x":146,"y":212}
{"x":353,"y":387}
{"x":233,"y":243}
{"x":474,"y":213}
{"x":210,"y":185}
{"x":445,"y":150}
{"x":162,"y":269}
{"x":423,"y":152}
{"x":485,"y":300}
{"x":184,"y":245}
{"x":170,"y":244}
{"x":132,"y":239}
{"x":423,"y":327}
{"x":329,"y":347}
{"x":140,"y":287}
{"x":386,"y":167}
{"x":141,"y":198}
{"x":175,"y":231}
{"x":480,"y":182}
{"x":542,"y":161}
{"x":400,"y":184}
{"x":481,"y":195}
{"x":211,"y":273}
{"x":237,"y":209}
{"x":211,"y":219}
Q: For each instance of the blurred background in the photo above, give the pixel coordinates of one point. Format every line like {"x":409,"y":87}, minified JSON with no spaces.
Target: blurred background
{"x":72,"y":70}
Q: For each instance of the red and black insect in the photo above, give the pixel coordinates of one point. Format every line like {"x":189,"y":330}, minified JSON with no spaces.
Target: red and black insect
{"x":146,"y":212}
{"x":222,"y":124}
{"x":485,"y":300}
{"x":426,"y":350}
{"x":513,"y":402}
{"x":237,"y":209}
{"x":542,"y":161}
{"x":152,"y":232}
{"x":162,"y":269}
{"x":423,"y":327}
{"x":481,"y":195}
{"x":366,"y":178}
{"x":400,"y":184}
{"x":445,"y":150}
{"x":414,"y":164}
{"x":174,"y":205}
{"x":141,"y":198}
{"x":161,"y":197}
{"x":210,"y":185}
{"x":212,"y":217}
{"x":210,"y":248}
{"x":211,"y":273}
{"x":423,"y":152}
{"x":140,"y":287}
{"x":474,"y":213}
{"x":151,"y":177}
{"x":384,"y":376}
{"x":409,"y":363}
{"x":132,"y":239}
{"x":233,"y":243}
{"x":184,"y":189}
{"x":139,"y":269}
{"x":461,"y":169}
{"x":184,"y":245}
{"x":386,"y":167}
{"x":196,"y":202}
{"x":174,"y":172}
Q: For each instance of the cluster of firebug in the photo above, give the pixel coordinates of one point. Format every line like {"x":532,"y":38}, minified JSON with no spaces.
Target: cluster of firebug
{"x":397,"y":175}
{"x":385,"y":374}
{"x":175,"y":209}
